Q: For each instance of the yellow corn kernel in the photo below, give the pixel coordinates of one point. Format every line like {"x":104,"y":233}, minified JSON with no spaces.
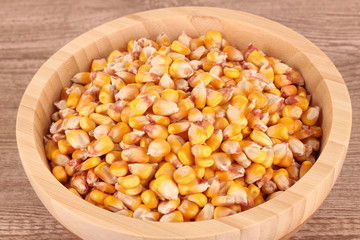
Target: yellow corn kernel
{"x":90,"y":163}
{"x":212,"y":39}
{"x":78,"y":139}
{"x":101,"y":146}
{"x":100,"y":79}
{"x":141,"y":104}
{"x":220,"y":212}
{"x":299,"y":101}
{"x":260,"y":99}
{"x":199,"y":171}
{"x":179,"y":47}
{"x":279,"y":131}
{"x":184,"y":154}
{"x":107,"y":94}
{"x":129,"y":191}
{"x":101,"y":119}
{"x":112,"y":157}
{"x":166,"y":169}
{"x":254,"y":172}
{"x":221,"y":123}
{"x":159,"y":148}
{"x":201,"y":151}
{"x":119,"y":168}
{"x":135,"y":154}
{"x":197,"y":78}
{"x":175,"y":216}
{"x":255,"y":57}
{"x":117,"y":133}
{"x":81,"y":78}
{"x":130,"y":181}
{"x":273,"y":118}
{"x":74,"y":98}
{"x":143,"y":170}
{"x":113,"y":204}
{"x":232,"y":130}
{"x":188,"y":209}
{"x":184,"y":175}
{"x":310,"y":116}
{"x":305,"y":167}
{"x":132,"y":138}
{"x":197,"y":134}
{"x":179,"y":127}
{"x":73,"y":190}
{"x":128,"y":93}
{"x":65,"y":147}
{"x":98,"y":64}
{"x":170,"y":94}
{"x":149,"y":199}
{"x":195,"y":115}
{"x":231,"y":72}
{"x":60,"y":174}
{"x":199,"y":198}
{"x":240,"y":102}
{"x":255,"y":154}
{"x":267,"y":71}
{"x":204,"y":162}
{"x":98,"y":196}
{"x":281,"y":179}
{"x":260,"y":138}
{"x":184,"y":107}
{"x":87,"y":124}
{"x":199,"y":94}
{"x":196,"y":186}
{"x":213,"y":98}
{"x":209,"y":114}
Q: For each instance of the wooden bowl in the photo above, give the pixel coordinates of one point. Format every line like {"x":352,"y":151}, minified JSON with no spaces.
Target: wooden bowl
{"x":279,"y":218}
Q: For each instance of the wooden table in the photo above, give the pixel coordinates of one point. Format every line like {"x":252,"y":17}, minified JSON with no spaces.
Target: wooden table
{"x":31,"y":31}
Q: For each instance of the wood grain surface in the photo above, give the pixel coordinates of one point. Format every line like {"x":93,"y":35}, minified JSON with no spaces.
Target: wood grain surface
{"x":31,"y":31}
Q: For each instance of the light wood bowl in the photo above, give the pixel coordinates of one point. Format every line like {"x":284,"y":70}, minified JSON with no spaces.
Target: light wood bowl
{"x":275,"y":219}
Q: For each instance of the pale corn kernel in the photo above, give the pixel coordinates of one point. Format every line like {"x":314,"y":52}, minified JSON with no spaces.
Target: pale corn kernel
{"x":159,"y":148}
{"x":175,"y":216}
{"x":310,"y":116}
{"x":197,"y":134}
{"x":143,"y":170}
{"x":135,"y":154}
{"x":197,"y":78}
{"x":220,"y":212}
{"x":260,"y":138}
{"x":195,"y":115}
{"x":164,"y":107}
{"x":199,"y":94}
{"x":180,"y":69}
{"x":212,"y":39}
{"x":230,"y":147}
{"x":221,"y":123}
{"x":156,"y":131}
{"x":78,"y":139}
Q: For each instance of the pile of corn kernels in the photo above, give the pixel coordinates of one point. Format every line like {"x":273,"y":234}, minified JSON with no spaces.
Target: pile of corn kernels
{"x":188,"y":130}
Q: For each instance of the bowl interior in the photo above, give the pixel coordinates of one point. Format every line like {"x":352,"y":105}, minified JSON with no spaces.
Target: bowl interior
{"x":239,"y":29}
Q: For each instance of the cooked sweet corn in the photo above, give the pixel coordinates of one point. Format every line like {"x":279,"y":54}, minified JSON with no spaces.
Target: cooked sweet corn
{"x":188,"y":130}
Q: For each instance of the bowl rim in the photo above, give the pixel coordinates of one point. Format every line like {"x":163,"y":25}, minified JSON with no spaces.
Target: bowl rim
{"x":303,"y":198}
